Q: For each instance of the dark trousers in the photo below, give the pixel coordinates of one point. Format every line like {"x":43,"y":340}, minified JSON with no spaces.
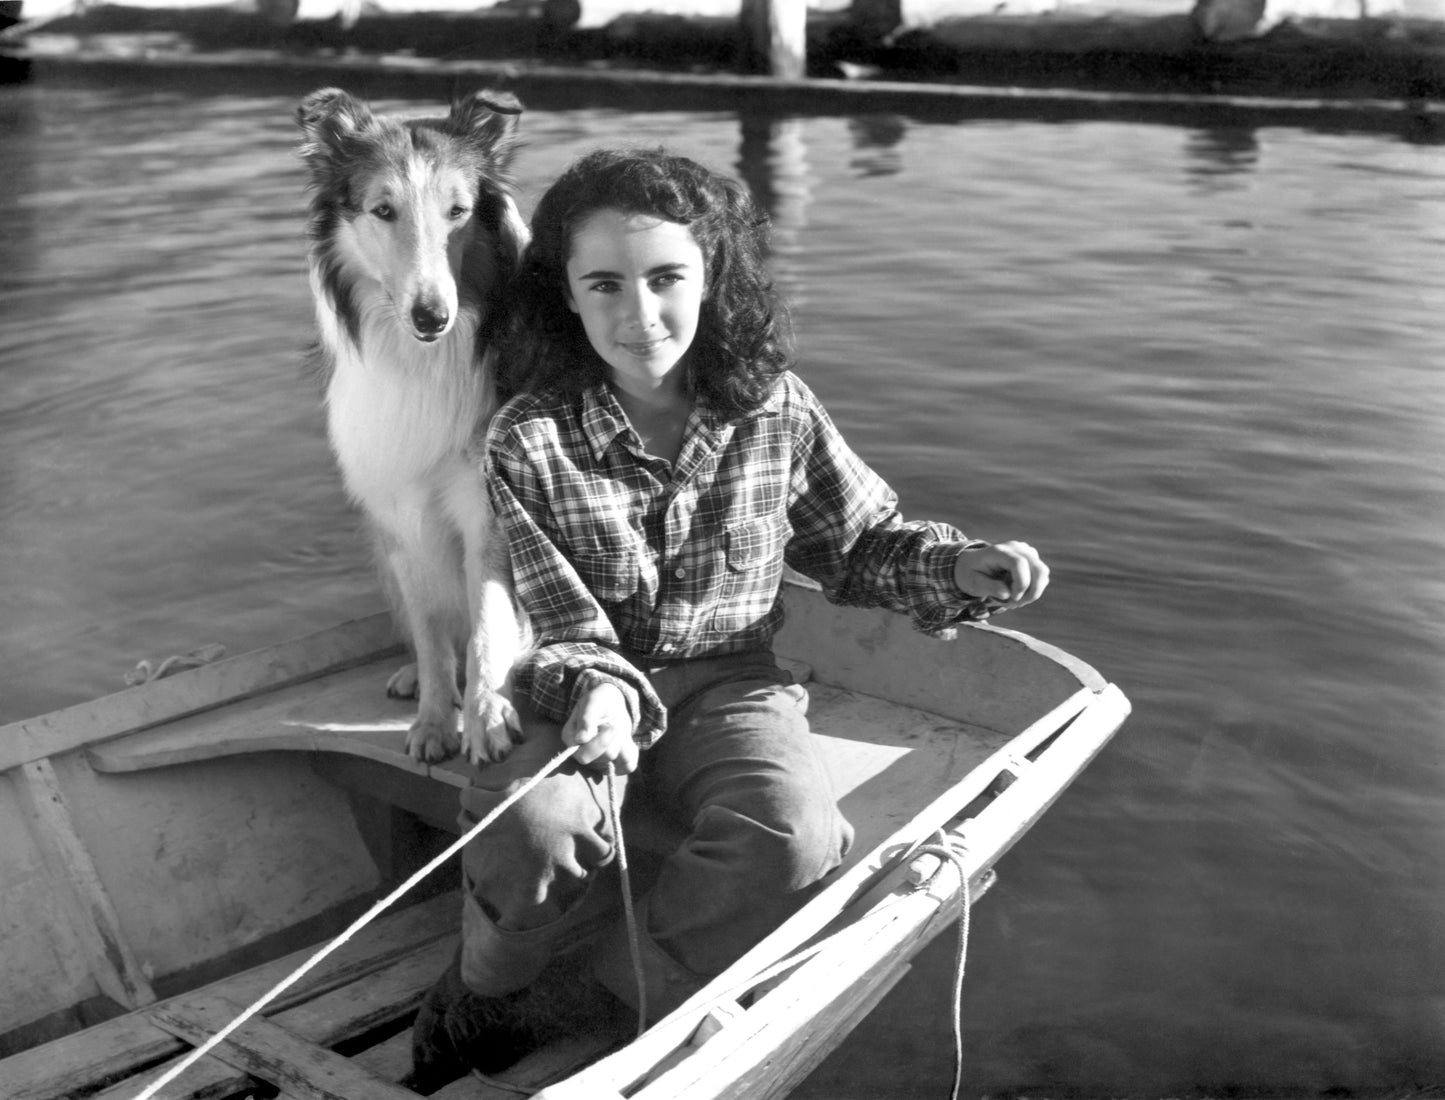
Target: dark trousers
{"x":737,"y":770}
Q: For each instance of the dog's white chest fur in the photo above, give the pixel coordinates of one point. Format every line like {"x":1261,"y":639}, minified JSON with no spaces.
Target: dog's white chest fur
{"x":400,"y":418}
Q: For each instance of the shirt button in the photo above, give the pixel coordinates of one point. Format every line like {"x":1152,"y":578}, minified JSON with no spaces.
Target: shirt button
{"x":679,"y":572}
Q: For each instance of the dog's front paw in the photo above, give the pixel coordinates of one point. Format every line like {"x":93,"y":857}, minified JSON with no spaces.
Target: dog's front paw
{"x":431,"y":740}
{"x":490,"y":729}
{"x":403,"y":683}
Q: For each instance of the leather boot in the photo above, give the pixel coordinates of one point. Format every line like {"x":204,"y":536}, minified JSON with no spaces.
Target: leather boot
{"x":457,"y":1031}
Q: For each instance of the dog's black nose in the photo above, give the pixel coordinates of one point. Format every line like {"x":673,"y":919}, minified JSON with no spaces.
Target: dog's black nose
{"x":427,"y":320}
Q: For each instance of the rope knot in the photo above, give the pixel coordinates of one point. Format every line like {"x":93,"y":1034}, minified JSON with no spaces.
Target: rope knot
{"x":950,"y":850}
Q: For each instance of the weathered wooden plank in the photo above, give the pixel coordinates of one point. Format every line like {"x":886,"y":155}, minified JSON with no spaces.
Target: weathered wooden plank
{"x":343,"y":1013}
{"x":273,"y":1053}
{"x":117,"y":1047}
{"x":825,"y":1037}
{"x":347,"y":712}
{"x":552,"y":1063}
{"x":91,"y":914}
{"x":390,"y":1059}
{"x":198,"y":689}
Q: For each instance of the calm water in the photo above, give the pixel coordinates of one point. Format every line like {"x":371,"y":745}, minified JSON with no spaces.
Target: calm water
{"x":1202,"y":370}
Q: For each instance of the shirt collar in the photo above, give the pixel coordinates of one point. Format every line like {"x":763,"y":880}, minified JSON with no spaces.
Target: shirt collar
{"x":603,"y":419}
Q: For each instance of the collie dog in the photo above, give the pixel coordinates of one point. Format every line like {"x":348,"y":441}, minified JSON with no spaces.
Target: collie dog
{"x":414,"y":235}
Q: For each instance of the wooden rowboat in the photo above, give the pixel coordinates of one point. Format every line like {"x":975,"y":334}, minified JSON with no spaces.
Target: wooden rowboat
{"x":174,"y":848}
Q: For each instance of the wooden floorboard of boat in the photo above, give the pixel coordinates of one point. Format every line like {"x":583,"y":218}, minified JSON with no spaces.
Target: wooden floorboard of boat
{"x":278,"y":1054}
{"x":419,"y":940}
{"x":370,"y":1002}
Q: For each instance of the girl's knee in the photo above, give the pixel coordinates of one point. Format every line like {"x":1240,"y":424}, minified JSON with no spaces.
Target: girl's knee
{"x":818,"y":843}
{"x":537,"y":857}
{"x":782,"y":854}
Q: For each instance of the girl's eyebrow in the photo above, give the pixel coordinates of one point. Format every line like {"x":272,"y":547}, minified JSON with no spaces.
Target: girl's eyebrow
{"x":660,"y":269}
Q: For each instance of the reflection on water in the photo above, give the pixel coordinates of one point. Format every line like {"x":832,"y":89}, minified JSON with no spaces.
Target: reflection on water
{"x":1222,"y":158}
{"x":773,"y":162}
{"x":1200,"y":369}
{"x":876,"y":137}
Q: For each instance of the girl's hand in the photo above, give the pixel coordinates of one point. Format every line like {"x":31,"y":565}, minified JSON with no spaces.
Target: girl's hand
{"x":602,"y":725}
{"x":1009,"y":574}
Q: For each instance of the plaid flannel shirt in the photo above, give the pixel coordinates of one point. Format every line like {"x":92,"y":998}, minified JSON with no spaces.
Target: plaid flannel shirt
{"x":618,"y":556}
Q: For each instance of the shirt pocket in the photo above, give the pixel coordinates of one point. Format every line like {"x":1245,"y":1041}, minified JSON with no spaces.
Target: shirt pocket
{"x":753,"y":553}
{"x":754,"y":544}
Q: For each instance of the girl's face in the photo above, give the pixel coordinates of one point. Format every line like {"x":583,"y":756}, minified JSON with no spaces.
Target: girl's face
{"x":636,"y":282}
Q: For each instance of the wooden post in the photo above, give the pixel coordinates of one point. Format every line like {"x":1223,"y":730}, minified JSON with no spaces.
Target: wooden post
{"x":775,"y":37}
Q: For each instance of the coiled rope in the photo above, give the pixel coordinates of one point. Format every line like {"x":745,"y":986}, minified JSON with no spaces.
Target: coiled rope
{"x":356,"y":926}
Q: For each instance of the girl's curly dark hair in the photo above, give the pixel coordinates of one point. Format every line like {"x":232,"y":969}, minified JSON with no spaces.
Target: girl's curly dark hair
{"x":743,"y":336}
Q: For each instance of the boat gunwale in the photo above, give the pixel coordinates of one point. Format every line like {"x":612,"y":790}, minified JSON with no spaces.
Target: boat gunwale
{"x":628,"y":1067}
{"x":194,"y":691}
{"x":908,"y":917}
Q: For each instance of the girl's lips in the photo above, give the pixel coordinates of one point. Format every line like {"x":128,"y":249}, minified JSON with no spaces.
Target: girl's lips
{"x":646,"y":347}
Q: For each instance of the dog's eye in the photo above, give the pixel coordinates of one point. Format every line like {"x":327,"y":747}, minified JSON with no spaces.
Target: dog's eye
{"x":383,"y":211}
{"x":458,"y":212}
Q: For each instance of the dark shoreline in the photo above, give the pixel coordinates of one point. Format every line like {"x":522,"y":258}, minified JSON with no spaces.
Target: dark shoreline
{"x":622,"y":88}
{"x":1374,"y":58}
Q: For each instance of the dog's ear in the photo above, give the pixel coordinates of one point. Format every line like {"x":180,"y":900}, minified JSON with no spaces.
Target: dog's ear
{"x":491,"y":118}
{"x":329,"y":117}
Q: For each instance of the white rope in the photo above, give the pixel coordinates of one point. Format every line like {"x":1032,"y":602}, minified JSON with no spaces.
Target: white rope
{"x":952,"y":850}
{"x":634,"y":945}
{"x":356,"y":926}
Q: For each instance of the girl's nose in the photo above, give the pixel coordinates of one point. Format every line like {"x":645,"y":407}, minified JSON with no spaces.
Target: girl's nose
{"x":644,"y":313}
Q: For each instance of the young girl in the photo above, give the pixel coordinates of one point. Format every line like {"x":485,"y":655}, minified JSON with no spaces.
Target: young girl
{"x":655,"y":476}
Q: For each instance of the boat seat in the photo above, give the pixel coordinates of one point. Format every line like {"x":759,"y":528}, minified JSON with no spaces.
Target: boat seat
{"x":357,"y":737}
{"x":355,"y":734}
{"x":330,"y":701}
{"x":879,"y":754}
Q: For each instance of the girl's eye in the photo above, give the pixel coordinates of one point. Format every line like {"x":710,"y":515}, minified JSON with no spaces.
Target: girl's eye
{"x":383,"y":211}
{"x":607,"y":286}
{"x":670,"y":279}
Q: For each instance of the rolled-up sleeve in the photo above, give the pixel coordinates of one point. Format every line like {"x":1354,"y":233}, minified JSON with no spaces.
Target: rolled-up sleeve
{"x":848,"y":534}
